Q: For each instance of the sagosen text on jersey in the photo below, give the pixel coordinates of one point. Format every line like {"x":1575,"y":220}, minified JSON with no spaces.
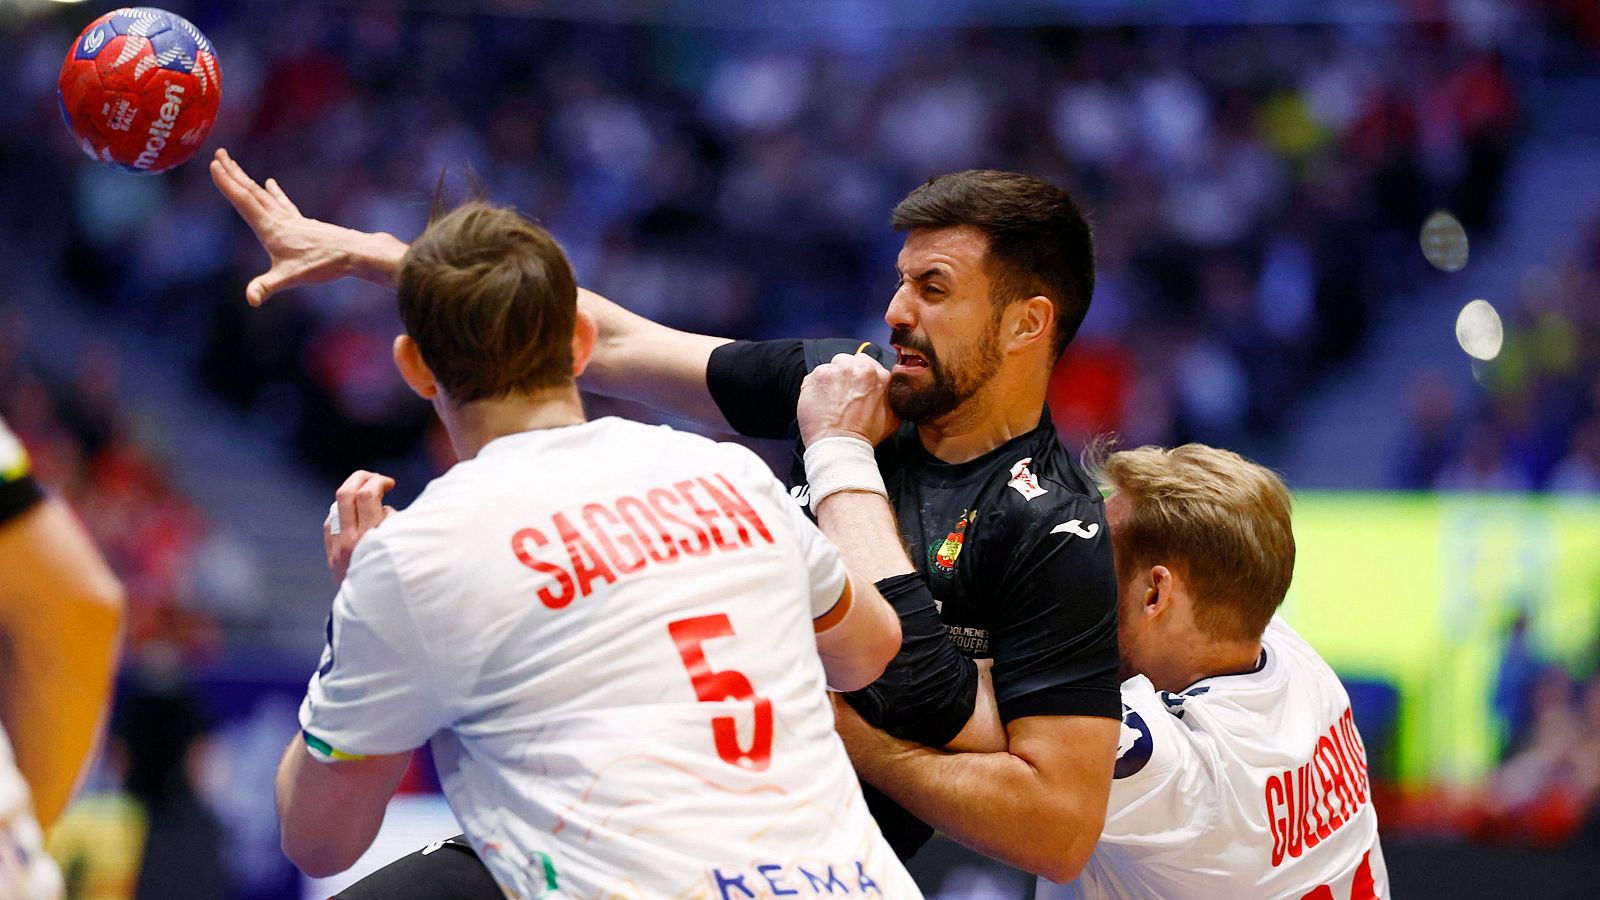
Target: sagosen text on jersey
{"x":601,"y":541}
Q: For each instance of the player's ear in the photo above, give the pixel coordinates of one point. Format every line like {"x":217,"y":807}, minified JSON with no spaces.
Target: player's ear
{"x":1028,"y":323}
{"x":1161,"y":593}
{"x":415,"y":372}
{"x":584,"y":334}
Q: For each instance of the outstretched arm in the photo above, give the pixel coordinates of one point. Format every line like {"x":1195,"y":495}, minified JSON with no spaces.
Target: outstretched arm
{"x":635,"y":358}
{"x":60,"y":614}
{"x":303,"y":250}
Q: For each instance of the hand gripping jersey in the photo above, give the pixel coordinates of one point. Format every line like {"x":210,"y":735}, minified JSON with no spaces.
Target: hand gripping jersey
{"x":1013,"y":545}
{"x":606,"y":634}
{"x":26,"y":872}
{"x":1248,"y":785}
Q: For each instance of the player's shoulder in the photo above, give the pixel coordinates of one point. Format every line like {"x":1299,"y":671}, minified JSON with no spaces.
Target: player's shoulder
{"x":1040,"y":489}
{"x":1151,"y":738}
{"x":1301,"y":665}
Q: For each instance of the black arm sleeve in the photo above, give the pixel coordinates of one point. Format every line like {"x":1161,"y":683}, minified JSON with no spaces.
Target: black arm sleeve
{"x":756,"y":384}
{"x":929,"y":690}
{"x":18,"y":496}
{"x":1054,"y":639}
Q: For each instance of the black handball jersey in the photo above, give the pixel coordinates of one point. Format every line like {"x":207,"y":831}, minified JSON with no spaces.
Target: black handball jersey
{"x":1013,"y":544}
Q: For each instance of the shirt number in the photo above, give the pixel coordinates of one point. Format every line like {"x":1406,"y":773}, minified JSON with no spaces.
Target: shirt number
{"x":714,"y":687}
{"x":1362,"y":886}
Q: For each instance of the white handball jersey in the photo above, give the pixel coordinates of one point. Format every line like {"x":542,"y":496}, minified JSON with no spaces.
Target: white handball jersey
{"x":606,"y":632}
{"x":1249,"y":785}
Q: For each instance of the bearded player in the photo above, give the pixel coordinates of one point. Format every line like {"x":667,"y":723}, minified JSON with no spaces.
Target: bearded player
{"x":942,"y":445}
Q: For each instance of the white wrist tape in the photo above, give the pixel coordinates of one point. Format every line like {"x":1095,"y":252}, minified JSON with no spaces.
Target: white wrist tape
{"x":836,"y":464}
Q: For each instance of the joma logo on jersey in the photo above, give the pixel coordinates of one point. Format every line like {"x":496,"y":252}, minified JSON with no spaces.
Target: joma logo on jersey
{"x":942,"y":555}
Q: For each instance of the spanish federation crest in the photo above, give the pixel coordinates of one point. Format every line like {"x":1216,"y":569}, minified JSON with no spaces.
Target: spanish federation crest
{"x":942,"y":555}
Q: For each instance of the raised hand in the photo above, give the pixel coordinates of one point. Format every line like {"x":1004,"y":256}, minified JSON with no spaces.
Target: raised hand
{"x":358,"y":508}
{"x":303,"y":250}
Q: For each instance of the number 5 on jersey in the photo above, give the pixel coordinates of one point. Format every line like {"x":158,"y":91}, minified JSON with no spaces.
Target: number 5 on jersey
{"x":714,"y":687}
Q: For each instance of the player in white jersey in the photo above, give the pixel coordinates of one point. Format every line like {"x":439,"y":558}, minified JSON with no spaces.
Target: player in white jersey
{"x":60,"y":614}
{"x":1239,"y":770}
{"x":607,"y":632}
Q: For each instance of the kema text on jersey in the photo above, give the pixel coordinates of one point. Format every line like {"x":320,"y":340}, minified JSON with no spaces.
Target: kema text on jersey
{"x":794,"y":880}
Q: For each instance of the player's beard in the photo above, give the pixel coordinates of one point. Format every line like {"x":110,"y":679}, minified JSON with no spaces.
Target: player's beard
{"x":952,"y":384}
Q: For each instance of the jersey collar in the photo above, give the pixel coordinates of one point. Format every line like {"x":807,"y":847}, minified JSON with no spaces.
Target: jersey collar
{"x":932,"y":469}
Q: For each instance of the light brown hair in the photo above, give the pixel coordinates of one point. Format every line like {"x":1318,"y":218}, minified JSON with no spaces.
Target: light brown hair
{"x":491,"y":301}
{"x":1219,"y":519}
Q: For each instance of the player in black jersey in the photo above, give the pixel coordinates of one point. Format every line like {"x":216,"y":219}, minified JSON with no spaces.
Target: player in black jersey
{"x":995,"y":545}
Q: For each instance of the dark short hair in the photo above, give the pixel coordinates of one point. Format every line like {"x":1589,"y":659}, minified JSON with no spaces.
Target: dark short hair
{"x":1039,"y":242}
{"x":491,"y":301}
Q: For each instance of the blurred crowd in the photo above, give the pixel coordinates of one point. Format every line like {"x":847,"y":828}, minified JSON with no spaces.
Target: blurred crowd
{"x":1256,"y":191}
{"x":87,"y":448}
{"x":1537,"y":424}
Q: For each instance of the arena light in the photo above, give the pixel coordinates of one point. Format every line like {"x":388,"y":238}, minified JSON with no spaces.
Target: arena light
{"x":1479,"y":331}
{"x":1444,"y":242}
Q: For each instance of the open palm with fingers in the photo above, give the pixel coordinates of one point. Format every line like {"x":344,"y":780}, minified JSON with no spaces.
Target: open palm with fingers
{"x":303,"y":250}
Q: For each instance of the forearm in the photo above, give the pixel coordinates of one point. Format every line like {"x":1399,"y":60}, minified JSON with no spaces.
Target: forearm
{"x":995,"y":803}
{"x":647,"y":362}
{"x":862,"y":526}
{"x":984,"y":732}
{"x":1038,"y":806}
{"x":856,"y":649}
{"x":374,"y":257}
{"x":63,"y":615}
{"x":329,"y":813}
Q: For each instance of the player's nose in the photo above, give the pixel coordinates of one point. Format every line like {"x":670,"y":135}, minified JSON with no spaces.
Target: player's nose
{"x":901,"y":311}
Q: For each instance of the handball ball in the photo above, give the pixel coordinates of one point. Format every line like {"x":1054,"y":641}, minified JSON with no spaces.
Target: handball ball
{"x":139,"y":89}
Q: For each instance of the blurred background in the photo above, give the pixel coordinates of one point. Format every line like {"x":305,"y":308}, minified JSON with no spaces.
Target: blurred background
{"x":1358,"y":241}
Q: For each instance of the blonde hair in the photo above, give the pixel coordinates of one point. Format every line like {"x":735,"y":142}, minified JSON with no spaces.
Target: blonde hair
{"x":1221,"y":519}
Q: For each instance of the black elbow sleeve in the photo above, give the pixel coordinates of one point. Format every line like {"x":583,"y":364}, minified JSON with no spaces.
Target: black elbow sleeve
{"x":929,"y":690}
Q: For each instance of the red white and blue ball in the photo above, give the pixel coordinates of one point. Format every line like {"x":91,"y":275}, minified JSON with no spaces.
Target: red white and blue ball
{"x":140,"y":88}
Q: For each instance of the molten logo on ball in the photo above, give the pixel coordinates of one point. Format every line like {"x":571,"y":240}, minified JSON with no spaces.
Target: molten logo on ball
{"x":134,"y":79}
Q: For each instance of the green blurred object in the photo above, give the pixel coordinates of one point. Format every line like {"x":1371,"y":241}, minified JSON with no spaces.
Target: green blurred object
{"x":1419,"y":590}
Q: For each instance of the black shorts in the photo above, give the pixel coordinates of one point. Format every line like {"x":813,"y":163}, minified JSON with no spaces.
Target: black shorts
{"x":447,"y":871}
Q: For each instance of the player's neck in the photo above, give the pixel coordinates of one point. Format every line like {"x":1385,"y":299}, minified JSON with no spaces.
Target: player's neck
{"x":1206,"y":658}
{"x":473,"y":425}
{"x":1002,"y":409}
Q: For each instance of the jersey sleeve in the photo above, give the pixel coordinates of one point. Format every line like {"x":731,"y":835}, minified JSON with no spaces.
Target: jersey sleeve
{"x":1054,"y":632}
{"x":18,"y":490}
{"x":828,"y":584}
{"x":756,"y":384}
{"x":1162,"y":789}
{"x":375,"y":691}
